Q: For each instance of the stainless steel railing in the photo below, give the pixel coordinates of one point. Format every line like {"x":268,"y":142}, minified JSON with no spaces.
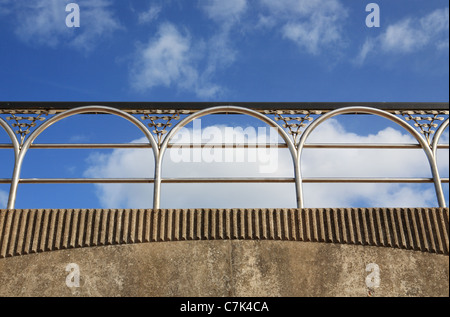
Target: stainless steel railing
{"x":294,"y":141}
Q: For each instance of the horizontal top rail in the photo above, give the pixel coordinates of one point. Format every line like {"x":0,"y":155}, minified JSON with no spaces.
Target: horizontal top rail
{"x":224,"y":180}
{"x":129,"y":106}
{"x":226,"y":145}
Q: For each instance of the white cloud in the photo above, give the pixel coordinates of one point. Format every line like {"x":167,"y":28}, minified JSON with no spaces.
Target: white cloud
{"x":315,"y":163}
{"x":435,"y":22}
{"x":443,"y":155}
{"x":410,"y":35}
{"x":363,"y":162}
{"x":122,"y":164}
{"x":403,"y":37}
{"x":165,"y":60}
{"x":312,"y":25}
{"x":170,"y":59}
{"x":150,"y":15}
{"x":444,"y":137}
{"x":5,"y":7}
{"x":366,"y":49}
{"x":265,"y":22}
{"x":366,"y":163}
{"x":220,"y":52}
{"x":177,"y":58}
{"x":99,"y":23}
{"x":3,"y":199}
{"x":368,"y":195}
{"x":43,"y":23}
{"x":226,"y":12}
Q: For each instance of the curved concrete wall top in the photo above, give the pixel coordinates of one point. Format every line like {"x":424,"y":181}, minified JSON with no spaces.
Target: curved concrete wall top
{"x":233,"y":252}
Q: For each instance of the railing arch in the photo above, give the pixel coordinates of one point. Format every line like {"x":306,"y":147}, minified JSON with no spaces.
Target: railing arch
{"x":68,"y":113}
{"x":367,"y":110}
{"x":215,"y":110}
{"x":437,"y":136}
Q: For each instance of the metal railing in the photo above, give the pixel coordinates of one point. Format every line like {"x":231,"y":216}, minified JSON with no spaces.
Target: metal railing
{"x":26,"y":116}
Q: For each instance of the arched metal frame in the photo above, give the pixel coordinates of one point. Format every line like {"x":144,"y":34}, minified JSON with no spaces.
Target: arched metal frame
{"x":209,"y":111}
{"x":159,"y":151}
{"x":437,"y":136}
{"x":366,"y":110}
{"x":88,"y":109}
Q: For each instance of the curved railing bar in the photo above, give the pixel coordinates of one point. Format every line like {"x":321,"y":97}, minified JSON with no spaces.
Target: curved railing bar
{"x":14,"y":141}
{"x":384,"y":114}
{"x":213,"y":110}
{"x":437,"y":136}
{"x":63,"y":115}
{"x":12,"y":136}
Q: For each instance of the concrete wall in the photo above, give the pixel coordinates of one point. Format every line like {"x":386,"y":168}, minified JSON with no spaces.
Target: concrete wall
{"x":256,"y":253}
{"x":226,"y":268}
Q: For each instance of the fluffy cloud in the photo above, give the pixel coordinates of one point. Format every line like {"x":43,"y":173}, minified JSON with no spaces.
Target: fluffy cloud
{"x":4,"y":7}
{"x":315,"y":163}
{"x":3,"y":199}
{"x":150,"y":15}
{"x":444,"y":137}
{"x":43,"y":23}
{"x":366,"y":163}
{"x":122,"y":164}
{"x":358,"y":162}
{"x":99,"y":21}
{"x":312,"y":25}
{"x":171,"y":60}
{"x":221,"y":52}
{"x":177,"y":58}
{"x":443,"y":155}
{"x":166,"y":59}
{"x":224,"y":11}
{"x":410,"y":35}
{"x":368,"y":195}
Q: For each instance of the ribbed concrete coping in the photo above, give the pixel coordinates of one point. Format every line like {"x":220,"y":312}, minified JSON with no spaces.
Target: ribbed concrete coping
{"x":32,"y":231}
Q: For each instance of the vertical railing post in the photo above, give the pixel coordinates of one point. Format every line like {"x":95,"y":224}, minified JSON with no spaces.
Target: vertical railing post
{"x":157,"y":181}
{"x":15,"y":143}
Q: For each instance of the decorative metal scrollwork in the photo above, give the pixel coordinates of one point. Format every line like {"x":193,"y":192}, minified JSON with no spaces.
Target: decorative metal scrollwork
{"x":294,"y":121}
{"x":25,"y":121}
{"x":426,"y":122}
{"x":160,"y":124}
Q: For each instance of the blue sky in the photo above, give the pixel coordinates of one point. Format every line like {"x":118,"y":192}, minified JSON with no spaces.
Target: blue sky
{"x":208,"y":50}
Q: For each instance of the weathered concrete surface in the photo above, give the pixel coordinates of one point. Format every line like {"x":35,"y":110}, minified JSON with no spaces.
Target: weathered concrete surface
{"x":226,"y":268}
{"x":30,"y":231}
